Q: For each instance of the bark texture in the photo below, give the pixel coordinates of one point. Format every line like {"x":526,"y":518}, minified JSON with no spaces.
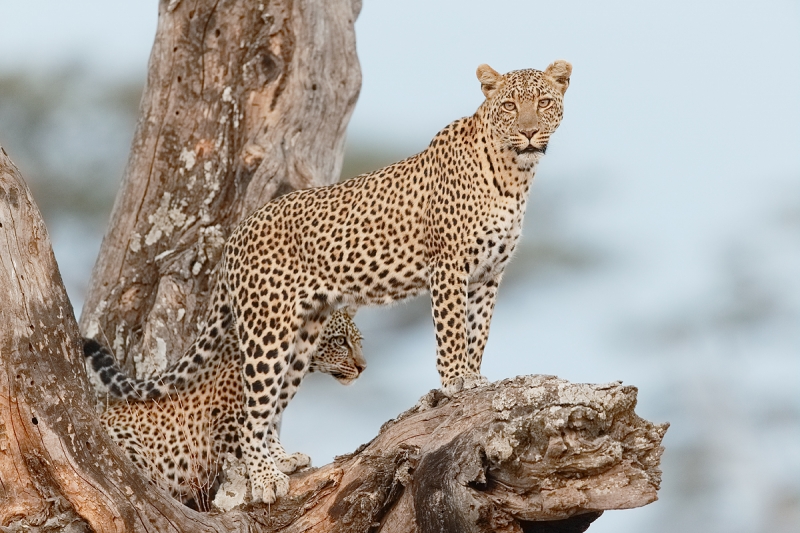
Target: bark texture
{"x":58,"y":468}
{"x":244,"y":101}
{"x":530,"y":454}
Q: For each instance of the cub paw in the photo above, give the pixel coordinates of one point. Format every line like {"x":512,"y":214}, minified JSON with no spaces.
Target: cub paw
{"x":291,"y":463}
{"x":457,"y":384}
{"x":269,"y":486}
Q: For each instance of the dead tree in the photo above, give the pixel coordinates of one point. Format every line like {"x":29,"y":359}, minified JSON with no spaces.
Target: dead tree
{"x":245,"y":101}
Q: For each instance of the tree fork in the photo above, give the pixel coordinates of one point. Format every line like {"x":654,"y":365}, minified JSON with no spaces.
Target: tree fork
{"x":57,"y":464}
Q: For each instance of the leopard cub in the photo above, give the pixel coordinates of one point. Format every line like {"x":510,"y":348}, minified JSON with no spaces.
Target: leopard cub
{"x":182,"y":439}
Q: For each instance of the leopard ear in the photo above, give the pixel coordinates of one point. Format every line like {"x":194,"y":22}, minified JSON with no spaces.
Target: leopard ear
{"x":350,"y":310}
{"x":489,"y":78}
{"x":558,"y":73}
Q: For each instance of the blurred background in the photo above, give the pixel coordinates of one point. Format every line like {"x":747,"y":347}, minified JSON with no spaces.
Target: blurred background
{"x":661,"y":245}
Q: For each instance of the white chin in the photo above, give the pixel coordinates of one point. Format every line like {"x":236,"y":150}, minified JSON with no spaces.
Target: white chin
{"x":529,"y":159}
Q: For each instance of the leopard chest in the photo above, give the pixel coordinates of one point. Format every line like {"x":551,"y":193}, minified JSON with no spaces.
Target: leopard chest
{"x":496,"y":239}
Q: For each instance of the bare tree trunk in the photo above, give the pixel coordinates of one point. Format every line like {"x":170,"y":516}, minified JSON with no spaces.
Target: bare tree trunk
{"x":245,"y":101}
{"x":58,"y":468}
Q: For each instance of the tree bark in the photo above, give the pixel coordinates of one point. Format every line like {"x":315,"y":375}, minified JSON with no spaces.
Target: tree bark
{"x":246,"y":101}
{"x":532,"y":454}
{"x":58,"y":468}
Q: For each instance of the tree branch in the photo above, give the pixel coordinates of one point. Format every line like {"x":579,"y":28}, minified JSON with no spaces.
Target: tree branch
{"x":57,"y":462}
{"x":523,"y":454}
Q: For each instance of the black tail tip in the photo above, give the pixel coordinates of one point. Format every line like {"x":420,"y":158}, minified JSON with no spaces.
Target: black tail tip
{"x":91,"y":347}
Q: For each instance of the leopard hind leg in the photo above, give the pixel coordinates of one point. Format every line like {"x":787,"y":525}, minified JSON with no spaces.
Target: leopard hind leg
{"x":102,"y":364}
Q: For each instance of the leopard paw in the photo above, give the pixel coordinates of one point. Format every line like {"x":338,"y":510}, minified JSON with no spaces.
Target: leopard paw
{"x":269,"y":486}
{"x":291,"y":463}
{"x":456,"y":384}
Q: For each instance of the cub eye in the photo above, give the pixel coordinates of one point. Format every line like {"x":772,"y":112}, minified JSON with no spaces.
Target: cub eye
{"x":544,"y":102}
{"x":509,"y":106}
{"x":338,"y":340}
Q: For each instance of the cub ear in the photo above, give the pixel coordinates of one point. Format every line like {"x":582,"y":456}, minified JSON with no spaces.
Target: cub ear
{"x":558,"y":73}
{"x":489,"y":78}
{"x":350,"y":311}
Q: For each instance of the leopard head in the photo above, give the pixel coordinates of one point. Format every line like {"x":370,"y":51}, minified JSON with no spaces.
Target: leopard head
{"x":524,"y":107}
{"x":339,"y":350}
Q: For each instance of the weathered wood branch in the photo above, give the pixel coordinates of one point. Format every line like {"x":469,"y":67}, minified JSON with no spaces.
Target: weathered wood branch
{"x":534,"y":453}
{"x":57,"y":465}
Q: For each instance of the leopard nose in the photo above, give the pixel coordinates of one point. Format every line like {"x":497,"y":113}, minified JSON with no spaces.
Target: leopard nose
{"x":358,"y":359}
{"x":529,"y":133}
{"x":360,"y":363}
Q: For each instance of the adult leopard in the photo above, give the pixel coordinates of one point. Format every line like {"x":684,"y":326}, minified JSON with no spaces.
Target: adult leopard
{"x":445,"y":220}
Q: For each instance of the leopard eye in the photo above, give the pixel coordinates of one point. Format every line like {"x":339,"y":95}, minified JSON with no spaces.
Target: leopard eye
{"x":509,"y":106}
{"x":544,"y":102}
{"x":338,"y":340}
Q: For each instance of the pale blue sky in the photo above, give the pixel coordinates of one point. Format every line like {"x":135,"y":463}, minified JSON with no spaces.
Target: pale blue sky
{"x":686,"y":75}
{"x":676,"y":94}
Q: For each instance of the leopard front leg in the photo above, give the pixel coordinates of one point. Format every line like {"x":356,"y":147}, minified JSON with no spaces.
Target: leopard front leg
{"x":288,"y":463}
{"x":448,"y":287}
{"x":480,"y":306}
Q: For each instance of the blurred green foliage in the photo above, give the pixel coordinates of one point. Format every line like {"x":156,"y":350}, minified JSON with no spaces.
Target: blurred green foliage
{"x":69,"y":133}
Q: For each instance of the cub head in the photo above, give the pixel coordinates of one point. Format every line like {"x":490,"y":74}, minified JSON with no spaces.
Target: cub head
{"x":339,"y":349}
{"x":524,"y":107}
